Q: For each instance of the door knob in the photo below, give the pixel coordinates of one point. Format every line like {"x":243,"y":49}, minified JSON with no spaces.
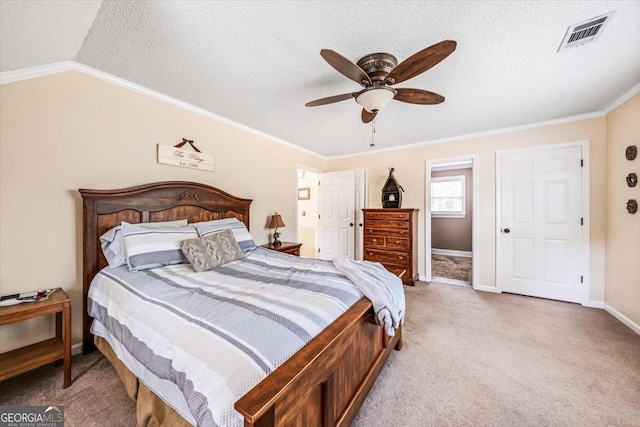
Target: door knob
{"x":360,"y":224}
{"x":506,"y":230}
{"x":350,"y":224}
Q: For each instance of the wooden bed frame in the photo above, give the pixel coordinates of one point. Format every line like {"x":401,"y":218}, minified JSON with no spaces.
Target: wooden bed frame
{"x":323,"y":384}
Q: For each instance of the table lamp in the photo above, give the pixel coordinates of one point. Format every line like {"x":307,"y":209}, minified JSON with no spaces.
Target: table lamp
{"x":276,"y":221}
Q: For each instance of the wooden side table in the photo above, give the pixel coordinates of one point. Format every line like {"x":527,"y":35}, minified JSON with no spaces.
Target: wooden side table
{"x":291,"y":248}
{"x":33,"y":356}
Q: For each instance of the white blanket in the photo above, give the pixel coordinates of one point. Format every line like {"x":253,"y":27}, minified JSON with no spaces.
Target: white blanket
{"x":383,"y":288}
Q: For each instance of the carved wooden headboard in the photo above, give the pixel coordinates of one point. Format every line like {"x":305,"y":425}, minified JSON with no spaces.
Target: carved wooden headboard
{"x":161,"y":201}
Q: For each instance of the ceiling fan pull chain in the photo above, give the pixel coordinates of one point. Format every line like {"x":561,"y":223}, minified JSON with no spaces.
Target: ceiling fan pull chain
{"x":373,"y":132}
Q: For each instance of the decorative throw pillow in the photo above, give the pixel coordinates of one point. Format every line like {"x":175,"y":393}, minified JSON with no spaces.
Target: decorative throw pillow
{"x":240,"y":231}
{"x":209,"y":252}
{"x":112,"y":241}
{"x":150,"y":248}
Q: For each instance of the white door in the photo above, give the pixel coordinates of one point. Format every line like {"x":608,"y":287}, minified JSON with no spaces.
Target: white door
{"x":336,"y":234}
{"x":540,"y":231}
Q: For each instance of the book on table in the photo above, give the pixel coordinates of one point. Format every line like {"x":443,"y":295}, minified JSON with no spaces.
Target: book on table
{"x":32,"y":296}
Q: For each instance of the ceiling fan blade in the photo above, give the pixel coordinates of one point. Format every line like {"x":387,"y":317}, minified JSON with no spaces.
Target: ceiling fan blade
{"x":345,"y":67}
{"x":420,"y":62}
{"x":368,"y":117}
{"x":330,"y":100}
{"x":418,"y":96}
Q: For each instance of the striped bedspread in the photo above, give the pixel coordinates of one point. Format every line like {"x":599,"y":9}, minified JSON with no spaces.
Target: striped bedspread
{"x":200,"y":341}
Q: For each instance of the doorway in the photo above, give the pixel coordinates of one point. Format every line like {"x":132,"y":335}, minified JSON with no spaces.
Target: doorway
{"x":308,"y":212}
{"x":450,"y":220}
{"x":542,"y":222}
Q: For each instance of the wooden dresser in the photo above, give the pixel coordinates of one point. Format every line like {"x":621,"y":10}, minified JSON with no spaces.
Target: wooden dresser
{"x":391,"y":238}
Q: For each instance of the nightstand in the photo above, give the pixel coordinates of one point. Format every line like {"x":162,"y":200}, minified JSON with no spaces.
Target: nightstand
{"x":291,"y":248}
{"x":33,"y":356}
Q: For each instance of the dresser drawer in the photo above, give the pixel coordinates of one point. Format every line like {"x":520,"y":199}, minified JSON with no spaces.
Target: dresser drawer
{"x":386,"y":224}
{"x":384,"y":257}
{"x":386,"y":232}
{"x":380,"y":241}
{"x":397,"y":243}
{"x":389,"y":215}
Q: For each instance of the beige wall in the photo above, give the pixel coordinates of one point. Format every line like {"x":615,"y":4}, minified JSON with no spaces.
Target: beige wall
{"x":455,"y":233}
{"x":409,"y":166}
{"x":623,"y":229}
{"x":68,"y":131}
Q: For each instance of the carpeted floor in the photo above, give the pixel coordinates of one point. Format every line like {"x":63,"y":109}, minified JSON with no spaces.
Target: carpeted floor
{"x":452,"y":267}
{"x":469,"y":358}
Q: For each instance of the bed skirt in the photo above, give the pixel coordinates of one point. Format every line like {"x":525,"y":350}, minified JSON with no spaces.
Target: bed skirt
{"x":151,"y":411}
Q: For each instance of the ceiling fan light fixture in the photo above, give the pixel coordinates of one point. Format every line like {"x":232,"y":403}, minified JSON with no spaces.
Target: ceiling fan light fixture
{"x":375,"y":98}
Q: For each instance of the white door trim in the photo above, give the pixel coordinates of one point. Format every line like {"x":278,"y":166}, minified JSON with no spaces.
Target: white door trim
{"x":586,"y":184}
{"x":475,"y":253}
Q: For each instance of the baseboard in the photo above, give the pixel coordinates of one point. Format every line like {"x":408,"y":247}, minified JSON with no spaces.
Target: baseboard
{"x":76,"y":349}
{"x":450,"y":252}
{"x":448,"y":281}
{"x":485,"y":288}
{"x":594,"y":304}
{"x":624,"y":319}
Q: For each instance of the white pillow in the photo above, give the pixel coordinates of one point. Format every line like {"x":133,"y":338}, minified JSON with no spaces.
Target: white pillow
{"x":112,"y":241}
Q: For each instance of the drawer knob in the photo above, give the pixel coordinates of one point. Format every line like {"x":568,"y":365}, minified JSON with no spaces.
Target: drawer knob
{"x":400,"y":257}
{"x":374,"y":240}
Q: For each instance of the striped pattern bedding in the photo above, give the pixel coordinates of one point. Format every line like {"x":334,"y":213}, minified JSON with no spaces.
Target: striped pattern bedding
{"x":200,"y":341}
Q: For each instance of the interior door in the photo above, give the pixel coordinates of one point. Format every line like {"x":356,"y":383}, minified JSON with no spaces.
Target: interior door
{"x":541,"y":215}
{"x":336,"y":234}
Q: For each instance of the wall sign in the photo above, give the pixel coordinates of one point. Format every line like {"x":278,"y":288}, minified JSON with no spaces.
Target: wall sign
{"x":180,"y":157}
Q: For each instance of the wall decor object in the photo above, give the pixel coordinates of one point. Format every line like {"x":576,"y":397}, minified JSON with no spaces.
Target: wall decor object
{"x":632,"y":206}
{"x":304,"y":193}
{"x":632,"y":179}
{"x":177,"y":156}
{"x":392,"y":192}
{"x":632,"y":152}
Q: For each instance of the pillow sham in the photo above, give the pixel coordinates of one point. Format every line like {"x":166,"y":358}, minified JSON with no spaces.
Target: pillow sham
{"x":154,"y":247}
{"x":238,"y":228}
{"x":112,"y":242}
{"x":216,"y":249}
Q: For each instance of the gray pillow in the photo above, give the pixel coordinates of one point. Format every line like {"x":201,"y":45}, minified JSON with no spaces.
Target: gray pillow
{"x":209,"y":252}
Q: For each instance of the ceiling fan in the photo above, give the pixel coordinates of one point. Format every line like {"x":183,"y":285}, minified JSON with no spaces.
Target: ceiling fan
{"x":378,"y":72}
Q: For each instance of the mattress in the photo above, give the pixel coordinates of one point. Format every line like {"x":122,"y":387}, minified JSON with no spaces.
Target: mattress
{"x":200,"y":341}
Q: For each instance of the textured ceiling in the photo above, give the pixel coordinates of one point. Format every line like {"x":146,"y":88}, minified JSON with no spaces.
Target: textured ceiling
{"x":41,"y":32}
{"x":258,"y":63}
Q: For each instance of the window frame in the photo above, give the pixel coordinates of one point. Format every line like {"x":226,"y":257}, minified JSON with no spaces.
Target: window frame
{"x":462,"y":213}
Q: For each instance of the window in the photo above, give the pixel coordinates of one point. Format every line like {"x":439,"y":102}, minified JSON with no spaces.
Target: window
{"x":447,"y":197}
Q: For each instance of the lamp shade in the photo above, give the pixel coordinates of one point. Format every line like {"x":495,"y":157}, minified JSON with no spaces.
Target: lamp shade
{"x":276,"y":221}
{"x":375,"y":98}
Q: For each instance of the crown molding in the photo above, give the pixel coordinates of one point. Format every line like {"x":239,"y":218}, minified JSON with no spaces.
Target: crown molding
{"x":580,"y":117}
{"x":59,"y":67}
{"x":624,"y":98}
{"x":33,"y":72}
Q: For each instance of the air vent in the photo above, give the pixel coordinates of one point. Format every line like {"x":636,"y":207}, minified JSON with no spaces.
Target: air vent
{"x":585,"y":32}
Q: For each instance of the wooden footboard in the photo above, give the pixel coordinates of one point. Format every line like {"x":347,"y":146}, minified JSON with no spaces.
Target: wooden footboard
{"x":325,"y":383}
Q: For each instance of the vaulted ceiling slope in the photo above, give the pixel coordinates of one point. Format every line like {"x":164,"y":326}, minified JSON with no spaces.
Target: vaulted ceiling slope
{"x":258,"y":63}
